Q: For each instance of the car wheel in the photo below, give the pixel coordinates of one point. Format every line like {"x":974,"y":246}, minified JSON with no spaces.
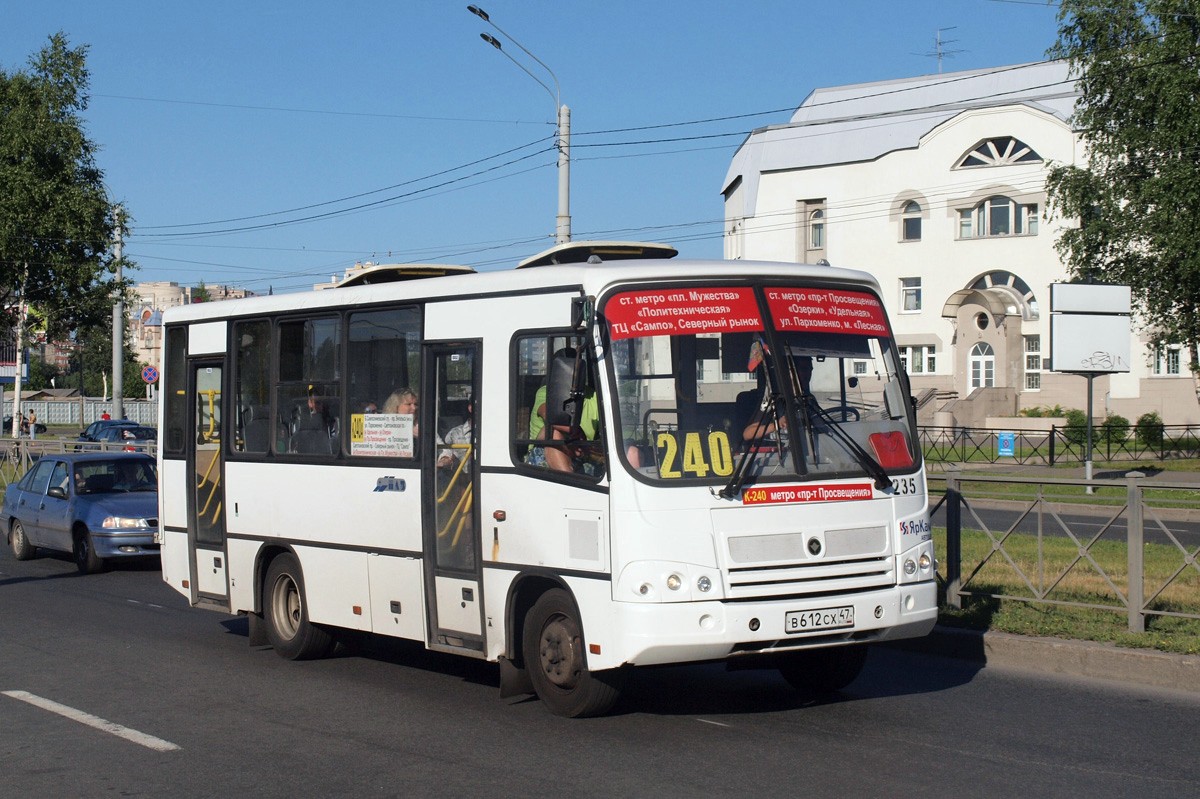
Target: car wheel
{"x":86,"y":559}
{"x":285,"y":607}
{"x":22,"y":549}
{"x":819,"y":672}
{"x":553,"y":651}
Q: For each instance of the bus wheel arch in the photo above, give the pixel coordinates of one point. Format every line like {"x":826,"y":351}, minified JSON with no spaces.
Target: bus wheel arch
{"x":553,"y":649}
{"x":285,"y":612}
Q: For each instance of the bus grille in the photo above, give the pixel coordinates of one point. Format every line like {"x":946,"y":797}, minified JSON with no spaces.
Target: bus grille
{"x":849,"y":560}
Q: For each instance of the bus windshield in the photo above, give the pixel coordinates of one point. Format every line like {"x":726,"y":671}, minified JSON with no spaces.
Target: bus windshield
{"x":735,"y":384}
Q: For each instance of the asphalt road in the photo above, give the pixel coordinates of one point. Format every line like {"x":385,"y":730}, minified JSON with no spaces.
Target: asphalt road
{"x":180,"y":705}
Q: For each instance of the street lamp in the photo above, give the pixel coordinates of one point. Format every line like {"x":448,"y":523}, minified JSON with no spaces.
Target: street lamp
{"x":562,"y":233}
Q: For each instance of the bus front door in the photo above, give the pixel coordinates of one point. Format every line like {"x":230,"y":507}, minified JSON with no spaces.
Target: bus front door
{"x":453,"y":575}
{"x":206,"y":506}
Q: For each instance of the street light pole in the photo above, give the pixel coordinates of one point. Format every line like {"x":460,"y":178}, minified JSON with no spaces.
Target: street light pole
{"x":562,"y":229}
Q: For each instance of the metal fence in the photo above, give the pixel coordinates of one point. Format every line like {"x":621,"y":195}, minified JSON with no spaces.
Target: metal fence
{"x":16,"y":456}
{"x":1169,"y":588}
{"x":1058,"y":445}
{"x":73,"y":413}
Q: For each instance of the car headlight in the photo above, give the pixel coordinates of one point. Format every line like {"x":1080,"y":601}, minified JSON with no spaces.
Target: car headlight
{"x":124,"y":523}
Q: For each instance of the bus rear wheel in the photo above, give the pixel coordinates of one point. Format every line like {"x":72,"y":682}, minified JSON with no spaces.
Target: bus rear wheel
{"x":553,"y":650}
{"x":816,"y":672}
{"x":290,"y":632}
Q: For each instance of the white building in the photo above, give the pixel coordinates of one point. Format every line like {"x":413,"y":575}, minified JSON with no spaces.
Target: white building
{"x":936,"y":185}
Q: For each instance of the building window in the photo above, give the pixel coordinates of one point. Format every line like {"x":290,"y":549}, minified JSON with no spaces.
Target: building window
{"x":910,"y":222}
{"x":919,"y":359}
{"x":1166,"y":360}
{"x":816,"y":230}
{"x":910,"y":294}
{"x":982,"y":366}
{"x":1000,"y":151}
{"x":1033,"y":363}
{"x":810,"y":229}
{"x":998,"y":216}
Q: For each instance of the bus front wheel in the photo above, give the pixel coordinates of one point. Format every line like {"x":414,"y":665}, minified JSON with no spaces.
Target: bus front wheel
{"x":553,"y":650}
{"x":816,"y":672}
{"x":290,"y":632}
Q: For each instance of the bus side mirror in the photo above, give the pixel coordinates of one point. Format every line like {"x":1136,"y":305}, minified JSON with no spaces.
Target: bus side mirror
{"x":562,"y":410}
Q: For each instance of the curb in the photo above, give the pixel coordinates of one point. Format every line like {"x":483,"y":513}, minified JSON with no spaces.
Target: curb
{"x":1060,"y":656}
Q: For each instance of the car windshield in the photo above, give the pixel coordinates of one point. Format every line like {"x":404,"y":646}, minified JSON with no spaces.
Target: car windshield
{"x":734,"y":384}
{"x":117,"y":475}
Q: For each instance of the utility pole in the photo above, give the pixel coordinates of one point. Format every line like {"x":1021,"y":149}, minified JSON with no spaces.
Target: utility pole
{"x":118,"y":358}
{"x":20,"y":360}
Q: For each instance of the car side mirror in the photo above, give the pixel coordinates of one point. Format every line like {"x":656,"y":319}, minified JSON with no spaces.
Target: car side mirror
{"x":58,"y":492}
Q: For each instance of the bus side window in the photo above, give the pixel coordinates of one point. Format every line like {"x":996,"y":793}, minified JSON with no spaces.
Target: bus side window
{"x":555,"y":401}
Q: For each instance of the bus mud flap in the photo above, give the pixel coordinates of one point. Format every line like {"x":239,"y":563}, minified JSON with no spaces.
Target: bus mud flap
{"x":514,"y":680}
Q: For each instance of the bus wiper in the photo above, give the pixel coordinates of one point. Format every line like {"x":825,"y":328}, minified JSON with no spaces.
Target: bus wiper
{"x":864,"y":459}
{"x":733,"y":488}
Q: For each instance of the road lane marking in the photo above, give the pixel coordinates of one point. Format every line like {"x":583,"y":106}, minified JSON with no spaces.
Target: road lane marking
{"x":140,"y":738}
{"x":714,"y":723}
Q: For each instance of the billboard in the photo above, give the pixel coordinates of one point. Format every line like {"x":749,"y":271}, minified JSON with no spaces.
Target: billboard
{"x":1090,"y":328}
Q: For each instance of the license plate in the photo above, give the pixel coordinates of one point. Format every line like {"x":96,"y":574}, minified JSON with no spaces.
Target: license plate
{"x":803,"y":621}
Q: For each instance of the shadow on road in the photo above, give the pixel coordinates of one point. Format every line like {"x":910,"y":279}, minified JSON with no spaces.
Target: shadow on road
{"x":694,"y":689}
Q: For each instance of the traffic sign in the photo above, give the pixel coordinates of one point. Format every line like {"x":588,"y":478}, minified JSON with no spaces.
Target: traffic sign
{"x":150,"y":374}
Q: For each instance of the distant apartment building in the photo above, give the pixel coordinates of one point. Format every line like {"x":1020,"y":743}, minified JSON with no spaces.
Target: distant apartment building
{"x":937,"y":186}
{"x":145,"y":316}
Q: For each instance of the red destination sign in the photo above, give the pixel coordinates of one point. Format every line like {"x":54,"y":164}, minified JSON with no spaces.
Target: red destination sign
{"x":818,"y":492}
{"x":827,"y":311}
{"x":682,"y":311}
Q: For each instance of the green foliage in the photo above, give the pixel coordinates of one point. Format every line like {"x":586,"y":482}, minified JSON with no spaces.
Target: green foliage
{"x":1149,"y":430}
{"x":1114,"y":429}
{"x":40,"y":375}
{"x":201,"y":293}
{"x":1043,"y":412}
{"x":1077,"y":424}
{"x":1138,"y":69}
{"x":56,"y":221}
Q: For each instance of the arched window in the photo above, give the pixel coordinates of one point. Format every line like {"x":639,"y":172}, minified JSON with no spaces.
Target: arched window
{"x":1000,"y":151}
{"x":998,"y":216}
{"x":816,"y":230}
{"x":910,"y":221}
{"x":982,"y":365}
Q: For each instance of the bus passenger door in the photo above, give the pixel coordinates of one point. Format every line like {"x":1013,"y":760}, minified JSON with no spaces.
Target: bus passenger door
{"x":451,"y":484}
{"x":206,"y":500}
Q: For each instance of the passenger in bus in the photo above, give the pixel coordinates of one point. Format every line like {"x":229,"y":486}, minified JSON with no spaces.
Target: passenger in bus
{"x":402,"y":400}
{"x":575,"y":456}
{"x":763,"y":429}
{"x":457,"y":435}
{"x":537,"y":427}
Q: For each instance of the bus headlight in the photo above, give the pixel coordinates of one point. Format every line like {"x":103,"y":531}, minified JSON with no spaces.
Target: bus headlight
{"x":917,"y":565}
{"x":665,"y":581}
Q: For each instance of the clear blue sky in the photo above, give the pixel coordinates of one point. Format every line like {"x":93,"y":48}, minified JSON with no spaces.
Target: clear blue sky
{"x":217,"y":111}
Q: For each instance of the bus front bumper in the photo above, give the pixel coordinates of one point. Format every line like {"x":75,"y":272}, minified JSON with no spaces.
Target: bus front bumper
{"x":683,"y":632}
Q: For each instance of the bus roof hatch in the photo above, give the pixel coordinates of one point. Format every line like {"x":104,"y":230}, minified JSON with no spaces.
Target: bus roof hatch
{"x":578,"y":252}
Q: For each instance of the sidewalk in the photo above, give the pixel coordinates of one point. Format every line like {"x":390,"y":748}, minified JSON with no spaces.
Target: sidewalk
{"x":1059,"y":656}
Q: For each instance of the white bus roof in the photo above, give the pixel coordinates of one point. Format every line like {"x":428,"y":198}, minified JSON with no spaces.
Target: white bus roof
{"x":590,"y":279}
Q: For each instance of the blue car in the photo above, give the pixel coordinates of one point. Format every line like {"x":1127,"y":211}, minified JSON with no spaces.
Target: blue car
{"x":94,"y":505}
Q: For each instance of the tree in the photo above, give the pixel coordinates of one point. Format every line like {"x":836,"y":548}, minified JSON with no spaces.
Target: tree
{"x":1138,"y":199}
{"x":56,"y":220}
{"x":201,"y":293}
{"x":97,"y":362}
